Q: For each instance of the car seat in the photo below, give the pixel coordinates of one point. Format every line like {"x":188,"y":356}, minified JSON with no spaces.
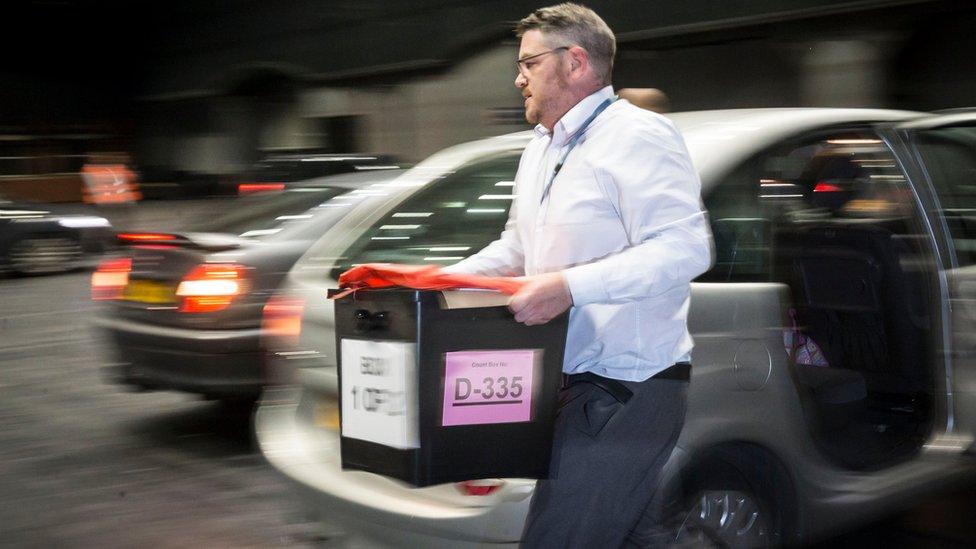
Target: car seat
{"x":854,"y":299}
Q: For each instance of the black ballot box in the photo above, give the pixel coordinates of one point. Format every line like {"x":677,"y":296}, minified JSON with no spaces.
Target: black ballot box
{"x":445,"y":386}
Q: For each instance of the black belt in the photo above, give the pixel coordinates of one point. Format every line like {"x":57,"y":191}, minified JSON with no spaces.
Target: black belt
{"x":680,"y":371}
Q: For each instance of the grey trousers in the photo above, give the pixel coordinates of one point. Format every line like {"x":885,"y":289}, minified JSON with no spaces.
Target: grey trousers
{"x":606,"y":460}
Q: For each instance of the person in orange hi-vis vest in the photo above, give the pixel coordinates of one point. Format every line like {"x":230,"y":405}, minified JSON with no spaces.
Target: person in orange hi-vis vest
{"x":107,"y":180}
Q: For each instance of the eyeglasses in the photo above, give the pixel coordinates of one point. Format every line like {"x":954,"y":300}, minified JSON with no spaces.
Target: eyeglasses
{"x":522,"y":65}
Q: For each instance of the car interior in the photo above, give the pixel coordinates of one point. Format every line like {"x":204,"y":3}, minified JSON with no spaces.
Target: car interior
{"x":833,"y":218}
{"x":853,"y":258}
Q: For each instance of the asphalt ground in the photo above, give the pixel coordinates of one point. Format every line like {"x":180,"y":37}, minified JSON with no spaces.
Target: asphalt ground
{"x":86,"y":464}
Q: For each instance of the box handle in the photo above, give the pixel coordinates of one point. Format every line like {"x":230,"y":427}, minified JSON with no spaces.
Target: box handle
{"x":367,"y":321}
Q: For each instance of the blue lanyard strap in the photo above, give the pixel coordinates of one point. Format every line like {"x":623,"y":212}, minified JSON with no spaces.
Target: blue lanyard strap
{"x":572,"y":143}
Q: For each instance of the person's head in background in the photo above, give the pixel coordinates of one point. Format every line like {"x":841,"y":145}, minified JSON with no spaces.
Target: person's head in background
{"x":651,"y":99}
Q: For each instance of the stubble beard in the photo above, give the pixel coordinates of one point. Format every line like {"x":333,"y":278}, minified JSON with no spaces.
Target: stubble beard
{"x":553,"y":105}
{"x":532,"y":114}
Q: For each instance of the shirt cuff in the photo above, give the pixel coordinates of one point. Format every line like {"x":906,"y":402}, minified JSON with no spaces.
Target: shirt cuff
{"x":586,"y":284}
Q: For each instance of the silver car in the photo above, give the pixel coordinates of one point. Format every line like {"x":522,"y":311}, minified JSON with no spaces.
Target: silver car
{"x":834,"y":373}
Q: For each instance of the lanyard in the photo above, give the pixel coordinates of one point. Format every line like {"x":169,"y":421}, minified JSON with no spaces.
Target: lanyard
{"x":571,"y":144}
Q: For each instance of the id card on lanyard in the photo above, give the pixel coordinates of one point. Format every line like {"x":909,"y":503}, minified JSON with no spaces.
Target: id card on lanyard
{"x":572,"y":143}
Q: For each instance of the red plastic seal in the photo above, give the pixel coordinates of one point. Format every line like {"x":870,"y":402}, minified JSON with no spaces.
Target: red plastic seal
{"x":420,"y":277}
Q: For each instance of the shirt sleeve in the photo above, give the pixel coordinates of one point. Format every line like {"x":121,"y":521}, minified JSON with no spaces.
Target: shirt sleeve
{"x":503,"y":257}
{"x":654,"y":187}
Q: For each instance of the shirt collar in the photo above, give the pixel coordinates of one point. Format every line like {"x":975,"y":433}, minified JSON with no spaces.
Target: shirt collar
{"x":570,"y":123}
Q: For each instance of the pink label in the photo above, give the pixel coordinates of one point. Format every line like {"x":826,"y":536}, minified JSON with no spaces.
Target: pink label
{"x":488,"y":386}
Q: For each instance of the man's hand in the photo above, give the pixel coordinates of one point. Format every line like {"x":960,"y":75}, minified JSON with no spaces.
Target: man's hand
{"x":543,"y":298}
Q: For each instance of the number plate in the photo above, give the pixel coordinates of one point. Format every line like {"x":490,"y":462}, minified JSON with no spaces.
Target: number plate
{"x":489,"y":386}
{"x":149,"y":291}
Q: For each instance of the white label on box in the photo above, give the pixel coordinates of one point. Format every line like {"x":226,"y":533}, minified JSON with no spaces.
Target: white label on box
{"x":379,"y":392}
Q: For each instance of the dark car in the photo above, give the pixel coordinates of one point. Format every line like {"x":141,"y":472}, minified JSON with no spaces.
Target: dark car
{"x":277,"y":170}
{"x":183,"y":310}
{"x":273,"y":172}
{"x":37,"y":239}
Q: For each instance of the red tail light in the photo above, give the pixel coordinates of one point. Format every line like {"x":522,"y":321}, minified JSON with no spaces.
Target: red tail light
{"x":132,"y":238}
{"x":480,"y":487}
{"x":282,"y":319}
{"x":250,"y":188}
{"x":109,"y":280}
{"x":826,"y":188}
{"x":211,"y":287}
{"x":150,"y":241}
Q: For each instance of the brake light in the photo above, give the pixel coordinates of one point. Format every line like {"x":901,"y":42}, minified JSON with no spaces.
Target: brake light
{"x":482,"y":487}
{"x":282,"y":319}
{"x":826,"y":188}
{"x":250,"y":188}
{"x":211,"y":287}
{"x":110,"y":278}
{"x":145,"y":237}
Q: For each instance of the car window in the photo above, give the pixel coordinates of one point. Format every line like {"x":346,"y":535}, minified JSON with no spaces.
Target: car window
{"x":839,"y":175}
{"x":267,"y":214}
{"x":449,"y":220}
{"x":949,"y":154}
{"x":298,"y":167}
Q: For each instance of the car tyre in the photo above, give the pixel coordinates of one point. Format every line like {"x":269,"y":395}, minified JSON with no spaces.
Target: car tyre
{"x":729,"y":503}
{"x":43,"y":254}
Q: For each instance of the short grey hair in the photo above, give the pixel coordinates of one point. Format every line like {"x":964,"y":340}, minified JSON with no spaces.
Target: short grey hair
{"x":579,"y":26}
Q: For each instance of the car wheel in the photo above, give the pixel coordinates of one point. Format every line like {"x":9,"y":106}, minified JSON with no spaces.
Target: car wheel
{"x":40,"y":254}
{"x":728,"y":506}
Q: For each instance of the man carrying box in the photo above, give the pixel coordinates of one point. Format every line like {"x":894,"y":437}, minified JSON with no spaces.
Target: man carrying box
{"x":607,"y":223}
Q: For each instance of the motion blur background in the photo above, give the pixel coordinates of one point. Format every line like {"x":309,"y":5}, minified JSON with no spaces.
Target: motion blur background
{"x":198,"y":91}
{"x":190,"y":96}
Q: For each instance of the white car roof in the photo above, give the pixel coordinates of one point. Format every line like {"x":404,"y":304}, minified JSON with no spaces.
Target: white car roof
{"x":717,"y":140}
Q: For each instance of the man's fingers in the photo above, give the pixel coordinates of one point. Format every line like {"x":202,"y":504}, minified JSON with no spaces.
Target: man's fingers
{"x":516,"y":304}
{"x":532,"y":317}
{"x":521,"y":310}
{"x":530,"y":307}
{"x":523,"y":315}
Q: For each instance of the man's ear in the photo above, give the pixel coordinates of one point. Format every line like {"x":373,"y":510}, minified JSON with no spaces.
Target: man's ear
{"x":579,"y":61}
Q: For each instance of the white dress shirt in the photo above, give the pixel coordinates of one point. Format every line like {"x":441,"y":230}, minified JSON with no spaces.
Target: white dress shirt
{"x":623,"y":221}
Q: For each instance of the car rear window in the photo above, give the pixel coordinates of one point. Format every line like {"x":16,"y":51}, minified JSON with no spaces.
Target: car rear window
{"x":444,"y":223}
{"x":266,"y":214}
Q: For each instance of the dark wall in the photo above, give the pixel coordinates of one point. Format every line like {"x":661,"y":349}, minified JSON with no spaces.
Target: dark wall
{"x":346,"y":40}
{"x":935,"y":68}
{"x":154,"y":65}
{"x":91,"y":57}
{"x":714,"y":76}
{"x":70,"y":58}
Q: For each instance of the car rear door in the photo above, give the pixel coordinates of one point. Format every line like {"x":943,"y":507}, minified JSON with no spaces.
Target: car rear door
{"x":939,"y":152}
